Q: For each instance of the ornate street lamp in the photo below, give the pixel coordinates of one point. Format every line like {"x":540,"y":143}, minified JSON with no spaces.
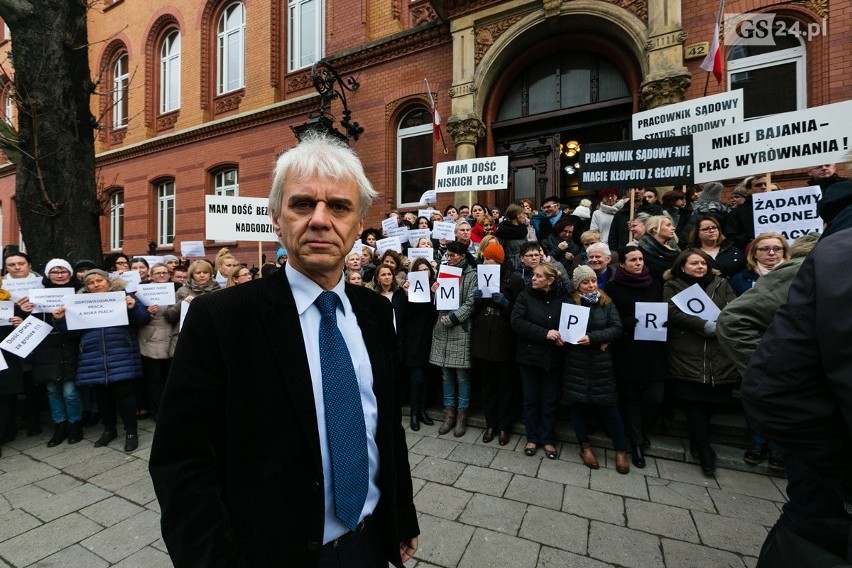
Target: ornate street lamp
{"x":330,"y":86}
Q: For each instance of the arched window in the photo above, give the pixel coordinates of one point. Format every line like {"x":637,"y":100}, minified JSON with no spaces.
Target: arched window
{"x":120,"y":85}
{"x":165,"y":212}
{"x":305,"y":32}
{"x":170,"y":72}
{"x":116,"y":219}
{"x":772,"y":77}
{"x":413,"y":156}
{"x":230,"y":49}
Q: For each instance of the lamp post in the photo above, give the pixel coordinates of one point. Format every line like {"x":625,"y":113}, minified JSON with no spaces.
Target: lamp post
{"x":330,"y":86}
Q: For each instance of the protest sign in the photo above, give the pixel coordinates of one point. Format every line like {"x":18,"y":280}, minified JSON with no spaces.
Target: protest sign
{"x":390,"y":223}
{"x":415,"y":234}
{"x":152,"y":260}
{"x":651,"y":321}
{"x":425,"y":252}
{"x":784,"y":141}
{"x":192,"y":249}
{"x":184,"y":308}
{"x":694,"y":301}
{"x":573,"y":321}
{"x":488,"y":279}
{"x":3,"y":364}
{"x":238,"y":219}
{"x":7,"y":310}
{"x":418,"y":287}
{"x":390,"y":243}
{"x":791,"y":212}
{"x":690,"y":117}
{"x":103,"y":309}
{"x":637,"y":163}
{"x":477,"y":174}
{"x":20,"y":287}
{"x":425,"y":213}
{"x":449,"y":287}
{"x":444,"y":230}
{"x":400,"y":233}
{"x":26,"y":336}
{"x":429,"y":197}
{"x":46,"y":300}
{"x":131,"y":278}
{"x":156,"y":294}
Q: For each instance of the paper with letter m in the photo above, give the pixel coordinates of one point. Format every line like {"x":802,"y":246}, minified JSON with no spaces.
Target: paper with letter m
{"x":694,"y":301}
{"x":573,"y":322}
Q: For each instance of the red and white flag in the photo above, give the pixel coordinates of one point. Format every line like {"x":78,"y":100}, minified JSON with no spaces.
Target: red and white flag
{"x":436,"y":118}
{"x":713,"y":61}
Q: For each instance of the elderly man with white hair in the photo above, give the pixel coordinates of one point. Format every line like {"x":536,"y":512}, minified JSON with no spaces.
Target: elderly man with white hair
{"x":599,"y":260}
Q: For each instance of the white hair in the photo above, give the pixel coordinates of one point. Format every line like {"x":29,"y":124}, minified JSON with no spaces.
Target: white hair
{"x":602,"y":248}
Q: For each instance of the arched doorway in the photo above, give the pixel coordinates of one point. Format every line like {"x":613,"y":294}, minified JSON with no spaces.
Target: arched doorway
{"x":567,"y":96}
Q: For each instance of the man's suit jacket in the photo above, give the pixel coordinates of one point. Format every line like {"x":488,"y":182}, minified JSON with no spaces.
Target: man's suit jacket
{"x":236,"y":458}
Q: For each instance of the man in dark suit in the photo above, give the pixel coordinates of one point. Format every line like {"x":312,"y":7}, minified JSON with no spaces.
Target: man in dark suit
{"x":242,"y":458}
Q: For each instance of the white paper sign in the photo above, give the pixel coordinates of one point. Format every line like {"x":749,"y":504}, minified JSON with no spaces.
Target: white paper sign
{"x":444,"y":230}
{"x":694,"y":301}
{"x":238,"y":219}
{"x":425,"y":212}
{"x":449,"y":288}
{"x":156,"y":294}
{"x":390,"y":243}
{"x":478,"y":174}
{"x":715,"y":112}
{"x":400,"y":233}
{"x":651,"y":316}
{"x":418,"y":287}
{"x":103,"y":309}
{"x":132,"y":279}
{"x":488,"y":279}
{"x":429,"y":197}
{"x":26,"y":337}
{"x":389,"y":223}
{"x":7,"y":310}
{"x":152,"y":260}
{"x":46,"y":300}
{"x":20,"y":287}
{"x":192,"y":249}
{"x":415,"y":235}
{"x":425,"y":252}
{"x":573,"y":321}
{"x":791,"y":212}
{"x":3,"y":364}
{"x":784,"y":141}
{"x":184,"y":308}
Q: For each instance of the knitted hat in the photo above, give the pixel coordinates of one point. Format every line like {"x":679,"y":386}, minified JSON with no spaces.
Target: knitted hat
{"x":581,"y":274}
{"x":550,"y":199}
{"x":281,"y":252}
{"x":741,"y":191}
{"x":494,"y":251}
{"x":84,"y":265}
{"x":582,"y":212}
{"x":95,"y":272}
{"x":57,"y":263}
{"x":169,"y":258}
{"x":711,"y":192}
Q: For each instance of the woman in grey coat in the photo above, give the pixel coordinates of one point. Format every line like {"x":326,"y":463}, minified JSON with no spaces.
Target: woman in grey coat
{"x":451,"y":343}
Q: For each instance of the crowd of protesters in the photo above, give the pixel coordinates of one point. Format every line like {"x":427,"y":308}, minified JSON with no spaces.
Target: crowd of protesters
{"x":97,"y":375}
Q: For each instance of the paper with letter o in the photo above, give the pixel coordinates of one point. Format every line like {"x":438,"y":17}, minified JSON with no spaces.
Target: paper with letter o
{"x":488,"y":279}
{"x":444,"y":230}
{"x":48,"y":299}
{"x":156,"y":294}
{"x":651,"y":316}
{"x":573,"y":322}
{"x":449,"y":288}
{"x":418,"y":287}
{"x":695,"y":302}
{"x":88,"y":311}
{"x":26,"y":337}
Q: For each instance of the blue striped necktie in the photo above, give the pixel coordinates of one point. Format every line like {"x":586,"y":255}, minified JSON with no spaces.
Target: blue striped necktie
{"x":344,"y":416}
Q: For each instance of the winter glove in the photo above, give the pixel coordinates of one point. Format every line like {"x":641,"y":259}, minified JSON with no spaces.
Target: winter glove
{"x":710,"y":328}
{"x":500,"y":300}
{"x":477,"y":295}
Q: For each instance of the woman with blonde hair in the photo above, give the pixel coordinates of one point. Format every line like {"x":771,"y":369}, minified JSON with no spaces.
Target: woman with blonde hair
{"x":240,"y":274}
{"x":199,"y":281}
{"x":225,"y":262}
{"x":766,"y":251}
{"x":659,"y":246}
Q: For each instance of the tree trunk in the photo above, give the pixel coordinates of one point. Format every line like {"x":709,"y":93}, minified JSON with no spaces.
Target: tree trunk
{"x":56,"y":195}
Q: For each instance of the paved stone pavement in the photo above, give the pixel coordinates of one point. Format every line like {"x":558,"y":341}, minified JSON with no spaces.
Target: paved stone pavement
{"x":479,"y":505}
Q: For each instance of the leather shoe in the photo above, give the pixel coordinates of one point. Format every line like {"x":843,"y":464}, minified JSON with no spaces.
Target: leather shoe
{"x":503,"y":438}
{"x":552,"y":453}
{"x":107,"y":437}
{"x":530,"y":449}
{"x":707,"y":458}
{"x":621,"y":465}
{"x":488,"y":435}
{"x":755,"y":454}
{"x":131,"y":442}
{"x":639,"y":457}
{"x":588,"y":456}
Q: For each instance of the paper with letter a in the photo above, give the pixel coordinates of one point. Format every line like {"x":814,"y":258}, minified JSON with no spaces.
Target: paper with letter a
{"x":573,"y":322}
{"x":418,"y":287}
{"x":652,"y":318}
{"x":694,"y":301}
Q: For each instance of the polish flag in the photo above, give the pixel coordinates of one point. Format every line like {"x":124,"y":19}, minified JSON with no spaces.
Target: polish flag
{"x":436,"y":118}
{"x":713,"y":60}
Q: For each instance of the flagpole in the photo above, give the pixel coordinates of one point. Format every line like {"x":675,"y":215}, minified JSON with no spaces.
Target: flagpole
{"x":706,"y":83}
{"x":434,"y":111}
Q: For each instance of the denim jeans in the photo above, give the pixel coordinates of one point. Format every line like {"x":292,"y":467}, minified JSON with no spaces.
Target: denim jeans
{"x":541,"y":393}
{"x":453,"y":376}
{"x":64,"y":400}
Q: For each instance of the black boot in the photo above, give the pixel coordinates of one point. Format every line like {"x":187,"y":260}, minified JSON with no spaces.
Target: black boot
{"x":131,"y":441}
{"x":639,"y":456}
{"x":75,"y":432}
{"x":421,"y":406}
{"x":415,"y":407}
{"x":60,"y":431}
{"x":414,"y":422}
{"x":107,"y":437}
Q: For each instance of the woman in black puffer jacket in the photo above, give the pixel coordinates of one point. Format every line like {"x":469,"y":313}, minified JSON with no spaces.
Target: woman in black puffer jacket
{"x":588,"y":372}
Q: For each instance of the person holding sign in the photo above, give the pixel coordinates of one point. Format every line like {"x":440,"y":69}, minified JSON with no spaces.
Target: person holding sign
{"x":451,"y":343}
{"x":701,"y":374}
{"x":587,"y":372}
{"x":535,"y":319}
{"x":12,"y":377}
{"x":767,"y":251}
{"x":640,"y":386}
{"x":200,"y":281}
{"x":110,"y":361}
{"x":154,"y":342}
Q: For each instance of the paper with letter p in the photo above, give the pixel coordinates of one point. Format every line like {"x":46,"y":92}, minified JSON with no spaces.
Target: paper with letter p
{"x":449,"y":287}
{"x":652,"y":316}
{"x":488,"y":279}
{"x":573,"y":322}
{"x":26,"y":337}
{"x":46,"y":300}
{"x":104,"y":309}
{"x":418,"y":287}
{"x":694,"y":301}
